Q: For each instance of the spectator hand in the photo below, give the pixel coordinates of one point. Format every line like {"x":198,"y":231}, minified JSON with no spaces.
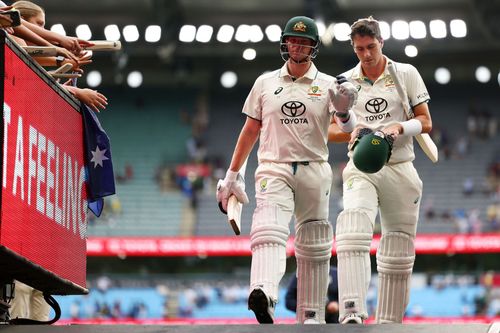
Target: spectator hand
{"x":233,"y":183}
{"x":71,"y":44}
{"x":344,"y":97}
{"x":93,"y":99}
{"x":5,"y":20}
{"x":82,"y":60}
{"x":65,"y":53}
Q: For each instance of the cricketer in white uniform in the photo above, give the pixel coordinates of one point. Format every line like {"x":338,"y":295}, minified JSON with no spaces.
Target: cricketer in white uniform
{"x":395,"y":190}
{"x":290,"y":109}
{"x":29,"y":303}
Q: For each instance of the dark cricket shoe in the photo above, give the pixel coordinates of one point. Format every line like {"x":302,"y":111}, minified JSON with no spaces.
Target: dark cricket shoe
{"x":262,"y":306}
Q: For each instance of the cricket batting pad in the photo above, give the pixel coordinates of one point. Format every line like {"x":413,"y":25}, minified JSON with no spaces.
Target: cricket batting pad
{"x":313,"y":250}
{"x":353,"y":238}
{"x":395,"y":258}
{"x":268,"y":239}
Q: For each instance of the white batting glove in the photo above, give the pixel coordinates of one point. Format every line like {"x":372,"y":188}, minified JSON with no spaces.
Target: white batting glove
{"x":343,"y":97}
{"x":233,"y":183}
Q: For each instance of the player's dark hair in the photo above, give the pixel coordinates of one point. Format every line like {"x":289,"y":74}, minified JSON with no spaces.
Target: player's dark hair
{"x":366,"y":27}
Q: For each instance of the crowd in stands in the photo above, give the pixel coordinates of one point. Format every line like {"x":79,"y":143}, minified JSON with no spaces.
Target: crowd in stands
{"x":452,"y":295}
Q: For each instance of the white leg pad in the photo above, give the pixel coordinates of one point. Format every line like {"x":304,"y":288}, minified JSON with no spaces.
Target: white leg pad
{"x":313,"y":250}
{"x":395,"y":259}
{"x":354,"y":234}
{"x":268,"y":239}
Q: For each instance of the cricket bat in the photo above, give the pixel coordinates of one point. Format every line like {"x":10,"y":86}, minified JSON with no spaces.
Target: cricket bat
{"x":65,"y":75}
{"x":104,"y":45}
{"x":63,"y":69}
{"x":423,"y":139}
{"x":61,"y":72}
{"x":234,"y":207}
{"x":41,"y":51}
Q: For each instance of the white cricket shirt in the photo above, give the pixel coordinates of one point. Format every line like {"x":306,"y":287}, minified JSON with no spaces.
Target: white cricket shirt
{"x":379,"y":105}
{"x":295,"y":115}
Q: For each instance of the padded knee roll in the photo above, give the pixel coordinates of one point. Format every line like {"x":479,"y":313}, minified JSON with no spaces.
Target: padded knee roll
{"x":268,"y":239}
{"x":395,"y":259}
{"x":353,"y":237}
{"x":313,"y":250}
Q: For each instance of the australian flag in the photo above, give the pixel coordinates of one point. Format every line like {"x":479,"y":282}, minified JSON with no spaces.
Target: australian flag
{"x":100,"y":180}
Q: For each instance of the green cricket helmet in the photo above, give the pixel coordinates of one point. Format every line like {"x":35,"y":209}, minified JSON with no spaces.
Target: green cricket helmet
{"x":371,"y":150}
{"x":300,"y":26}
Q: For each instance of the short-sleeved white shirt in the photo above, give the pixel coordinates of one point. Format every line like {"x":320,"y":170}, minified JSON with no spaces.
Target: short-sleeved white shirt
{"x":379,"y":105}
{"x":295,"y":115}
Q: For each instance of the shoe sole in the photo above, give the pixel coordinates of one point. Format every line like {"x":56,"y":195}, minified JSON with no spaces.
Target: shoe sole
{"x":258,"y":303}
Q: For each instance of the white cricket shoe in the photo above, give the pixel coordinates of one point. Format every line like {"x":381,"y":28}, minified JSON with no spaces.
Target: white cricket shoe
{"x":352,"y":318}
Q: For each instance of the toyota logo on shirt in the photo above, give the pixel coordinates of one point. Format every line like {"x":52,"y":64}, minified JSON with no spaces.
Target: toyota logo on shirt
{"x":376,"y":105}
{"x":293,"y":109}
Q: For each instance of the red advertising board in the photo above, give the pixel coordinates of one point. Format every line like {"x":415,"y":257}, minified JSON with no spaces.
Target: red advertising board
{"x":43,"y":202}
{"x":240,"y":246}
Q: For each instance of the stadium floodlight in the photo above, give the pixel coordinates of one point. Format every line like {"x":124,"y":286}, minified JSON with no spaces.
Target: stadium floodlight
{"x":130,"y":33}
{"x":59,"y":28}
{"x":153,"y":33}
{"x":498,"y":78}
{"x":442,"y":75}
{"x":249,"y":54}
{"x":112,"y":32}
{"x":341,"y":31}
{"x":327,"y":37}
{"x":483,"y":74}
{"x":411,"y":51}
{"x":94,"y":79}
{"x":228,"y":79}
{"x":256,"y":34}
{"x":458,"y":28}
{"x":418,"y":30}
{"x":204,"y":33}
{"x":385,"y":30}
{"x":273,"y":32}
{"x":438,"y":29}
{"x":243,"y":33}
{"x":187,"y":33}
{"x":134,"y":79}
{"x":83,"y":32}
{"x":400,"y":30}
{"x":321,"y":27}
{"x":225,"y":33}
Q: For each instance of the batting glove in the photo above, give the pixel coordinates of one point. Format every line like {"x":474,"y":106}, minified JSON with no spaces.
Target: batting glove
{"x":233,"y":183}
{"x":344,"y":97}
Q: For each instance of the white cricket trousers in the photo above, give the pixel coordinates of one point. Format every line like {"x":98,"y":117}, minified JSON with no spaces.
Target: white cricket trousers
{"x":29,"y":303}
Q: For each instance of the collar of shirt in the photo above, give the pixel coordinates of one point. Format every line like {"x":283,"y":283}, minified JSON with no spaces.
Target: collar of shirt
{"x":311,"y":73}
{"x":357,"y":73}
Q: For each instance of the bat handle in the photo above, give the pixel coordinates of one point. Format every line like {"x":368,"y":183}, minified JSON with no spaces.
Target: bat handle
{"x":234,"y":214}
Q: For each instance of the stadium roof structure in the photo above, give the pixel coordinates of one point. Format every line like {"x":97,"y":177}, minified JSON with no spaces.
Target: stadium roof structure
{"x":171,"y":62}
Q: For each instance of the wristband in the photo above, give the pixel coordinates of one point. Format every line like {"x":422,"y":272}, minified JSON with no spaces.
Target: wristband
{"x":343,"y":116}
{"x":231,"y":175}
{"x":349,"y":124}
{"x":59,"y":60}
{"x":411,"y":127}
